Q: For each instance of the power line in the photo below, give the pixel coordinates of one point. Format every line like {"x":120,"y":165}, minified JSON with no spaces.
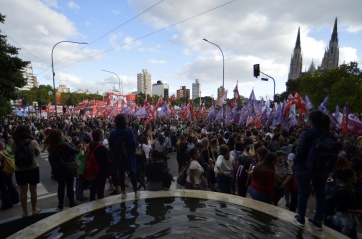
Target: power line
{"x":114,"y":29}
{"x":23,"y":48}
{"x":152,"y":33}
{"x":100,"y":36}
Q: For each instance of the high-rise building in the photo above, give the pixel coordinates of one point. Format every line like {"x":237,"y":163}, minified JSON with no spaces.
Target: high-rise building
{"x":31,"y":80}
{"x":220,"y":91}
{"x":144,"y":82}
{"x":183,"y":93}
{"x":63,"y":89}
{"x":160,"y":89}
{"x":330,"y":58}
{"x":195,"y":89}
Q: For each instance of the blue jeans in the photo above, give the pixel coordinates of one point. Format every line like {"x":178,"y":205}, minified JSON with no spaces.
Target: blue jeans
{"x":304,"y":178}
{"x":259,"y":196}
{"x":224,"y":183}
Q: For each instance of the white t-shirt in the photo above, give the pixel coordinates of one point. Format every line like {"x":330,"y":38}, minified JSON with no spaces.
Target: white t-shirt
{"x":223,"y":166}
{"x":147,"y":149}
{"x":199,"y":172}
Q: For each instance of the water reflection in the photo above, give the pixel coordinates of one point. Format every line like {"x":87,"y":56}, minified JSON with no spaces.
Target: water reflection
{"x":176,"y":218}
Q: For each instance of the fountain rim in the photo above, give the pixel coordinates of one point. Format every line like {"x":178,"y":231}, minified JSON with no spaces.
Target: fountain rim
{"x":39,"y":228}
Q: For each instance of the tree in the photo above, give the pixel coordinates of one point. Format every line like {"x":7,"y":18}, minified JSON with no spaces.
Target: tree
{"x":343,"y":84}
{"x":11,"y":76}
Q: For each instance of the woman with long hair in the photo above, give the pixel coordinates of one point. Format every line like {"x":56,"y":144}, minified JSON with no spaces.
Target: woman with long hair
{"x":224,"y":169}
{"x":195,"y":170}
{"x":61,"y":151}
{"x":181,"y":147}
{"x":27,"y":177}
{"x":263,"y":179}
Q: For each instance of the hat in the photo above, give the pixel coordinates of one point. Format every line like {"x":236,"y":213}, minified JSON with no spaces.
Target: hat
{"x":278,"y":152}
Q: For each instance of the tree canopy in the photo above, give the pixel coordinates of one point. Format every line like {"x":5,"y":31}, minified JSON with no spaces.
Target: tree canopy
{"x":343,"y":84}
{"x":11,"y":75}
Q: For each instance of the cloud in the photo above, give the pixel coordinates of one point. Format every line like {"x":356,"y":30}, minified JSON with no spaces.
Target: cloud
{"x":51,"y":3}
{"x":157,"y":62}
{"x":73,"y":5}
{"x":347,"y":54}
{"x":129,"y":43}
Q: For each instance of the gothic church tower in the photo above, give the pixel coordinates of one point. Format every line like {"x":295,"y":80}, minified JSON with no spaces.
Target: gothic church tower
{"x":296,"y":60}
{"x":331,"y":54}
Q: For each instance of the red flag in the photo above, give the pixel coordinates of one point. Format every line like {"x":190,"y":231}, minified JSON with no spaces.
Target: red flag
{"x":221,"y":101}
{"x":288,"y":105}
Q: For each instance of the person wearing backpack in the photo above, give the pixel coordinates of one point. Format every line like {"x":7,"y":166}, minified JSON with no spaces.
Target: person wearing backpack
{"x":9,"y":194}
{"x":98,"y":184}
{"x":122,"y":137}
{"x":61,"y":152}
{"x":25,"y":149}
{"x":305,"y":174}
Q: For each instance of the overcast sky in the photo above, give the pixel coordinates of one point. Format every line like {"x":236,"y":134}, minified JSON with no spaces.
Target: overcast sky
{"x":165,"y":37}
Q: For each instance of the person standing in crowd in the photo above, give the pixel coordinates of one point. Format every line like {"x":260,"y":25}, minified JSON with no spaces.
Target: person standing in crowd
{"x":101,"y":154}
{"x":79,"y":181}
{"x":283,"y":175}
{"x":27,"y":177}
{"x":319,"y":126}
{"x":181,"y":147}
{"x":247,"y":161}
{"x":124,"y":165}
{"x":61,"y":151}
{"x":195,"y":170}
{"x":263,"y":179}
{"x":344,"y":203}
{"x":9,"y":194}
{"x":155,"y":171}
{"x":224,"y":169}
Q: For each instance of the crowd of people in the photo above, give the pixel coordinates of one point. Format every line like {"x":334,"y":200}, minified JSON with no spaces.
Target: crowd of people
{"x":269,"y":164}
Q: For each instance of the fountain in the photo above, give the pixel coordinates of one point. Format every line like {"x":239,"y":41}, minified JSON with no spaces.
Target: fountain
{"x":173,"y":214}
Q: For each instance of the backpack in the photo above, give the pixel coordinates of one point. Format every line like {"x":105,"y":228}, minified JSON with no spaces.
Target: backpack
{"x":23,"y":156}
{"x":8,"y":164}
{"x":91,"y":168}
{"x":323,"y":154}
{"x":120,"y":149}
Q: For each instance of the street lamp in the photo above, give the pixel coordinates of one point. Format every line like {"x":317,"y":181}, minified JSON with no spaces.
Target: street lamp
{"x":54,"y":93}
{"x":223,"y":62}
{"x":266,"y":79}
{"x":119,"y":81}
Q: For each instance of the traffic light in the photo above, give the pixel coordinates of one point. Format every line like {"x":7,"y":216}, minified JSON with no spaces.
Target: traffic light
{"x":256,"y":70}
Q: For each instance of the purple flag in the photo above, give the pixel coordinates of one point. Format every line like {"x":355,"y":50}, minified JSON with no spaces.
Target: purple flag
{"x":212,"y":113}
{"x":227,"y":114}
{"x":164,"y":111}
{"x":141,"y":113}
{"x":219,"y":116}
{"x":323,"y":106}
{"x":127,"y":111}
{"x":308,"y":103}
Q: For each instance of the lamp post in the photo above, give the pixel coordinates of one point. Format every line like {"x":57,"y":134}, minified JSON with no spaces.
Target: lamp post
{"x":266,"y":79}
{"x":54,"y":93}
{"x":223,"y":62}
{"x":119,"y":81}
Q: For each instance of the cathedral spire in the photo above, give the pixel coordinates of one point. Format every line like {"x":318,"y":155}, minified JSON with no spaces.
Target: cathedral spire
{"x":334,"y":33}
{"x":297,"y":43}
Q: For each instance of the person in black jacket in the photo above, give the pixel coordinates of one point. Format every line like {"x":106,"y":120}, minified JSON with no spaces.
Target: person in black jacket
{"x":61,"y":151}
{"x":101,"y":154}
{"x":319,"y":126}
{"x":155,"y":171}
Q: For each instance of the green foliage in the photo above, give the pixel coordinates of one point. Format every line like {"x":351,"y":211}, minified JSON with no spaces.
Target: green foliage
{"x":343,"y":84}
{"x":11,"y":76}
